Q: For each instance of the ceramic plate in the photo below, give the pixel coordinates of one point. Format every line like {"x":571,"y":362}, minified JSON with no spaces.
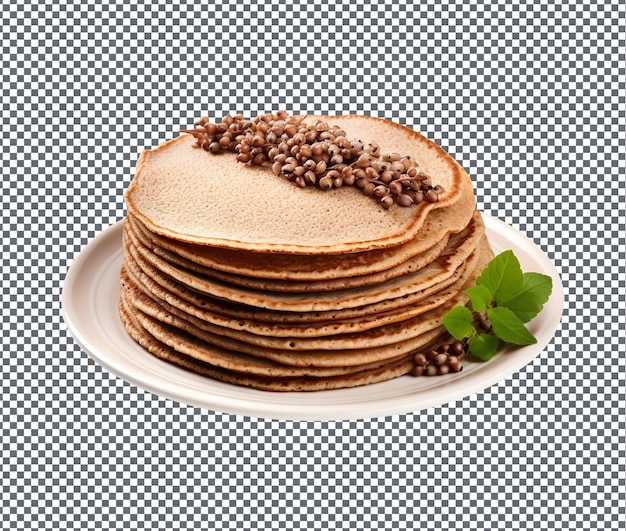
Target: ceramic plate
{"x":90,"y":298}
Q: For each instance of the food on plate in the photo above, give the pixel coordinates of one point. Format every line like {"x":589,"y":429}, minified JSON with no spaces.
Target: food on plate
{"x":300,"y":253}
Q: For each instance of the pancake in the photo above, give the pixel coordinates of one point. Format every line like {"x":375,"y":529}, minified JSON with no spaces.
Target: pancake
{"x":459,"y":248}
{"x":147,"y":248}
{"x":192,"y":341}
{"x":177,"y":194}
{"x":232,"y":271}
{"x":311,"y":329}
{"x":177,"y":334}
{"x":379,"y":336}
{"x":160,"y":286}
{"x":316,"y":267}
{"x":138,"y":300}
{"x":264,"y":383}
{"x":193,"y":345}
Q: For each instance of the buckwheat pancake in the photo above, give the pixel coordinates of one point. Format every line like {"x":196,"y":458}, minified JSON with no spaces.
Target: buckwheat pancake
{"x":382,"y":335}
{"x":181,"y":339}
{"x":318,"y":267}
{"x":146,"y":308}
{"x":459,"y":248}
{"x":147,"y":250}
{"x":265,"y":383}
{"x":178,"y":194}
{"x":139,"y":301}
{"x":321,"y":328}
{"x":193,"y":341}
{"x":165,"y":288}
{"x":235,"y":267}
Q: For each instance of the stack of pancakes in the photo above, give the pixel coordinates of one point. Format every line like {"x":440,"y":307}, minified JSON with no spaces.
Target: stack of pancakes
{"x":237,"y":274}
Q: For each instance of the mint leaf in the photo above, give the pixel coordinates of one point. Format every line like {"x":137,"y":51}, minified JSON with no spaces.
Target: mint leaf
{"x":502,"y":277}
{"x":510,"y":298}
{"x":458,"y":322}
{"x":509,"y":327}
{"x":483,"y":346}
{"x":536,"y":289}
{"x":480,"y":297}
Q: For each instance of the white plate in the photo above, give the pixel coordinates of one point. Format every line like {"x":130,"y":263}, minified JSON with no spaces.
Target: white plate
{"x":90,"y":297}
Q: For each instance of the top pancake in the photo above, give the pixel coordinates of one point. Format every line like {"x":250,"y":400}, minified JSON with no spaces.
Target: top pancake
{"x":191,"y":196}
{"x":288,"y":266}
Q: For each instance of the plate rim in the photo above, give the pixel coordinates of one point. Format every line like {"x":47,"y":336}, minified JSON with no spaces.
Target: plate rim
{"x":464,"y":385}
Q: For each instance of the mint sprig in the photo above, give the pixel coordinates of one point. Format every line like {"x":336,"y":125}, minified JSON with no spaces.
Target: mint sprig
{"x":505,"y":298}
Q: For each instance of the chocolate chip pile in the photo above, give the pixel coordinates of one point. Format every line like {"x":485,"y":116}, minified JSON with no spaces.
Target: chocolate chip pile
{"x":443,"y":360}
{"x":315,"y":153}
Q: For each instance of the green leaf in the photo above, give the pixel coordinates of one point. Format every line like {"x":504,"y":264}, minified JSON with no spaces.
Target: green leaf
{"x":480,"y":297}
{"x":509,"y":327}
{"x":511,"y":299}
{"x":502,"y":277}
{"x":483,"y":346}
{"x":458,"y":322}
{"x":536,"y":289}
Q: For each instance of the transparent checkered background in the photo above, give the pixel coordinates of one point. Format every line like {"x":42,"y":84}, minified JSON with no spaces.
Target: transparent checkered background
{"x":529,"y":97}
